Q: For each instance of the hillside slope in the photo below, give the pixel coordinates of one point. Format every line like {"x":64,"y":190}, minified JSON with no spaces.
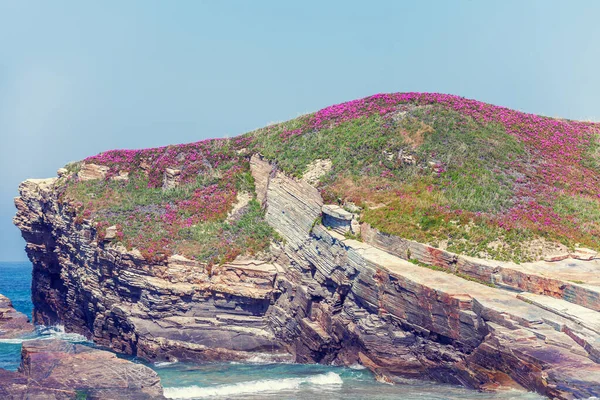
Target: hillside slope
{"x":307,"y":241}
{"x":461,"y":175}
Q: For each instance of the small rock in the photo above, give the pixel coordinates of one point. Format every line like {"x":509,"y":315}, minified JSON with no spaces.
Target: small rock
{"x":121,"y":176}
{"x":62,"y":172}
{"x":336,"y":211}
{"x":408,"y":159}
{"x":171,"y":178}
{"x":388,"y":155}
{"x":111,"y":233}
{"x":355,"y":227}
{"x":90,"y":172}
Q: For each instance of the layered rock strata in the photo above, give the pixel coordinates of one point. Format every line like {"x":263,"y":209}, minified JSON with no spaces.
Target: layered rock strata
{"x":53,"y":369}
{"x":320,"y":298}
{"x":13,"y":324}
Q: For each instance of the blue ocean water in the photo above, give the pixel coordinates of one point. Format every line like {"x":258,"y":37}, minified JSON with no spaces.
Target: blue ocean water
{"x":259,"y":379}
{"x":15,"y":283}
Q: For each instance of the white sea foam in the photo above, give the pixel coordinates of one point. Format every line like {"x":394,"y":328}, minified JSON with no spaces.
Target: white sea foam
{"x":165,"y":363}
{"x":47,"y":333}
{"x":238,"y":389}
{"x":269,"y":358}
{"x":357,"y":367}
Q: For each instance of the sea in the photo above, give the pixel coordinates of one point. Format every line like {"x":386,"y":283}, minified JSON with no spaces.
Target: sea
{"x":259,"y":378}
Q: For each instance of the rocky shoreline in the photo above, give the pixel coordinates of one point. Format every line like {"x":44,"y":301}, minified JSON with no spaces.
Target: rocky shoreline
{"x":57,"y":370}
{"x":13,"y":324}
{"x":320,"y":297}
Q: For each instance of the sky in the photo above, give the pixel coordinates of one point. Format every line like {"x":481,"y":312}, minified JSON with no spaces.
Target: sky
{"x":78,"y":78}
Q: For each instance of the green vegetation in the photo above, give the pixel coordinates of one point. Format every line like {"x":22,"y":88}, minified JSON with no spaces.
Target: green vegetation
{"x":81,"y":395}
{"x":470,"y":177}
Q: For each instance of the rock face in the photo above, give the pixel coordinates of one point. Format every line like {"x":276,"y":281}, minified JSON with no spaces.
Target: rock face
{"x":92,"y":171}
{"x":53,"y":369}
{"x":320,"y":298}
{"x":12,"y":323}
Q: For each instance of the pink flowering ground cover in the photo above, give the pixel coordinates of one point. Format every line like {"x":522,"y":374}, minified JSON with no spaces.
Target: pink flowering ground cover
{"x":476,"y":178}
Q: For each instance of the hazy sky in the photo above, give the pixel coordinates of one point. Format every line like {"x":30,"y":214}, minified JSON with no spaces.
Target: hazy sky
{"x":78,"y":78}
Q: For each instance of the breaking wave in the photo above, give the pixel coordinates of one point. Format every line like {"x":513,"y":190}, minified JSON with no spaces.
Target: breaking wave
{"x":252,"y":387}
{"x":46,"y":333}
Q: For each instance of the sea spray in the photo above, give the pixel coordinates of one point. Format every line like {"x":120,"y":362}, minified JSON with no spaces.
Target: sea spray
{"x":46,"y":333}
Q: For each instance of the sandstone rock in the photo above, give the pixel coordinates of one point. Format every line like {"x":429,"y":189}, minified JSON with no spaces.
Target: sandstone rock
{"x":408,"y":159}
{"x":53,"y":369}
{"x":293,"y":206}
{"x":561,"y":278}
{"x":121,"y":176}
{"x":62,"y":172}
{"x":556,"y":257}
{"x":171,"y":178}
{"x":111,"y":233}
{"x":261,"y":172}
{"x":13,"y":324}
{"x":584,"y":254}
{"x":336,"y":218}
{"x":15,"y":386}
{"x":92,"y":171}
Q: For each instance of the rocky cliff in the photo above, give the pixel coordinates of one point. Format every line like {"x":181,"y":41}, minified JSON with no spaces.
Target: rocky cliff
{"x":320,"y":295}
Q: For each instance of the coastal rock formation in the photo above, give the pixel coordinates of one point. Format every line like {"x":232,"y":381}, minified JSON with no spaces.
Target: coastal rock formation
{"x":174,"y":310}
{"x":12,"y":323}
{"x":319,"y":297}
{"x":53,"y":369}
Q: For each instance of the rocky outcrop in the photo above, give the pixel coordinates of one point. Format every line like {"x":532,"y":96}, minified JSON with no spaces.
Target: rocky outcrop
{"x":53,"y":369}
{"x":171,"y":178}
{"x":91,"y":171}
{"x":178,"y":309}
{"x":576,"y":280}
{"x":12,"y":323}
{"x":321,"y":297}
{"x":340,"y":220}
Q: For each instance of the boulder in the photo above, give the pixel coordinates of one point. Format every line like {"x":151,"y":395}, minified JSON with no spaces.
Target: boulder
{"x":65,"y":370}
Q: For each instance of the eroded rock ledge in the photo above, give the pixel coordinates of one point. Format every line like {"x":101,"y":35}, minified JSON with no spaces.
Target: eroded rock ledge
{"x":320,"y":298}
{"x":53,"y":369}
{"x":12,"y":323}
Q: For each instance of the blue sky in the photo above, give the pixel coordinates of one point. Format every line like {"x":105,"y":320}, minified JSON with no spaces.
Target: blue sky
{"x":78,"y":78}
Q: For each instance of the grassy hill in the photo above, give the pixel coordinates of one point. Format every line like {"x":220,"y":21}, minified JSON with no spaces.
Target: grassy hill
{"x":471,"y":177}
